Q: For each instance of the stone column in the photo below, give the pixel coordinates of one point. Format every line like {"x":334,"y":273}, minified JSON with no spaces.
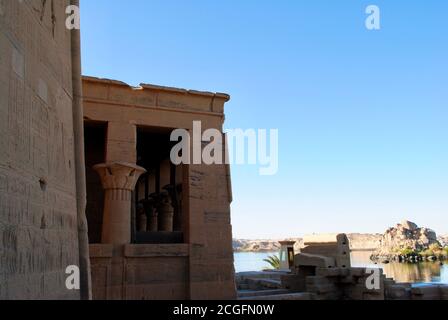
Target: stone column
{"x":166,"y":213}
{"x":142,"y":220}
{"x":152,"y":215}
{"x":118,"y":180}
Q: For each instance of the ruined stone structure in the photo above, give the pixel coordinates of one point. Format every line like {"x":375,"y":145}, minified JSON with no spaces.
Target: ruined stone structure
{"x":322,"y":273}
{"x":162,"y":231}
{"x":41,"y":232}
{"x":333,"y":248}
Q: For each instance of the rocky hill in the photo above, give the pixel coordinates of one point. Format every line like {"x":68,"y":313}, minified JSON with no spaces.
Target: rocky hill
{"x":405,"y":235}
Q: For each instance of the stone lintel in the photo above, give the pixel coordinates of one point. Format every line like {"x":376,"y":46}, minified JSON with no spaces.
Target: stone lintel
{"x":145,"y":86}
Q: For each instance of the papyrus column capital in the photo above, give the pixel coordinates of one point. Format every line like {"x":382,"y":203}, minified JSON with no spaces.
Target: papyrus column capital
{"x":119,"y":175}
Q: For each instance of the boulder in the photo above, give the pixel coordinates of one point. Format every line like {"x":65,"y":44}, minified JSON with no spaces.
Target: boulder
{"x":409,"y":225}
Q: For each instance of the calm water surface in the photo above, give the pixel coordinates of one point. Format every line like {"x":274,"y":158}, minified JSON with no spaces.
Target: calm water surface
{"x":425,"y":272}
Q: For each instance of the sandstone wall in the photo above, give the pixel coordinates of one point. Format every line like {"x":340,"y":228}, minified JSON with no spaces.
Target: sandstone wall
{"x":139,"y":272}
{"x":38,"y":219}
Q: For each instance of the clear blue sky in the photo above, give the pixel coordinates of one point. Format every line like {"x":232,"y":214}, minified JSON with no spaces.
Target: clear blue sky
{"x":362,"y":115}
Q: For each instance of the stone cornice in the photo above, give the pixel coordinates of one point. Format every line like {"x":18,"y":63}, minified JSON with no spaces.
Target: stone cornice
{"x":153,"y":87}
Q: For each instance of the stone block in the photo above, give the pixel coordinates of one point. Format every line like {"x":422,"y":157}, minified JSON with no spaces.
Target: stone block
{"x":293,"y":283}
{"x":285,"y":297}
{"x":303,"y":259}
{"x":444,"y":292}
{"x":398,"y":292}
{"x":319,"y":285}
{"x":331,"y":272}
{"x":426,"y":292}
{"x":358,"y":272}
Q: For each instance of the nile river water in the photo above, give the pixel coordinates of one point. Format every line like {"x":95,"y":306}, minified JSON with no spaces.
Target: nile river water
{"x":425,"y":272}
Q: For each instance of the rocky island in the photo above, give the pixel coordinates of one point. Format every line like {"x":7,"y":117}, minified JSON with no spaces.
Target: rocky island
{"x":408,"y":242}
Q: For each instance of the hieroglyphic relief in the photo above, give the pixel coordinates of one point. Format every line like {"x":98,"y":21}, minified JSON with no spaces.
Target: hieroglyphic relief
{"x":2,"y":8}
{"x":56,"y":150}
{"x":41,"y":10}
{"x":53,"y":18}
{"x":19,"y":122}
{"x":39,"y":137}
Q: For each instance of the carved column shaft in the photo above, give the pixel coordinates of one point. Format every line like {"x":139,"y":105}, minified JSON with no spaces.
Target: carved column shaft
{"x":152,"y":220}
{"x":118,"y":180}
{"x":166,"y":213}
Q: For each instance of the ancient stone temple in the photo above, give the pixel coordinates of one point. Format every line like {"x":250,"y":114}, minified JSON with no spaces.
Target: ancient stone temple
{"x":157,"y":230}
{"x":100,"y":159}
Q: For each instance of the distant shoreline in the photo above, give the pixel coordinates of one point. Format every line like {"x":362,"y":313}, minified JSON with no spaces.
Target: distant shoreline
{"x":363,"y":250}
{"x":276,"y":251}
{"x":358,"y":242}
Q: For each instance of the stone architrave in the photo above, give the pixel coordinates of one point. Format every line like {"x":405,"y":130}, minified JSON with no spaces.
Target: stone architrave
{"x":118,"y":180}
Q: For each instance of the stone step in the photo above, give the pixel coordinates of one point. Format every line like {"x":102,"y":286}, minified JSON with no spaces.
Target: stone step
{"x":241,"y":276}
{"x":260,"y":284}
{"x":277,"y":297}
{"x":243,"y":286}
{"x":257,"y":293}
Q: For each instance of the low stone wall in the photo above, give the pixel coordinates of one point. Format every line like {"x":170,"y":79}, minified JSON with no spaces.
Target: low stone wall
{"x":140,"y":272}
{"x":332,"y":284}
{"x":352,"y":284}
